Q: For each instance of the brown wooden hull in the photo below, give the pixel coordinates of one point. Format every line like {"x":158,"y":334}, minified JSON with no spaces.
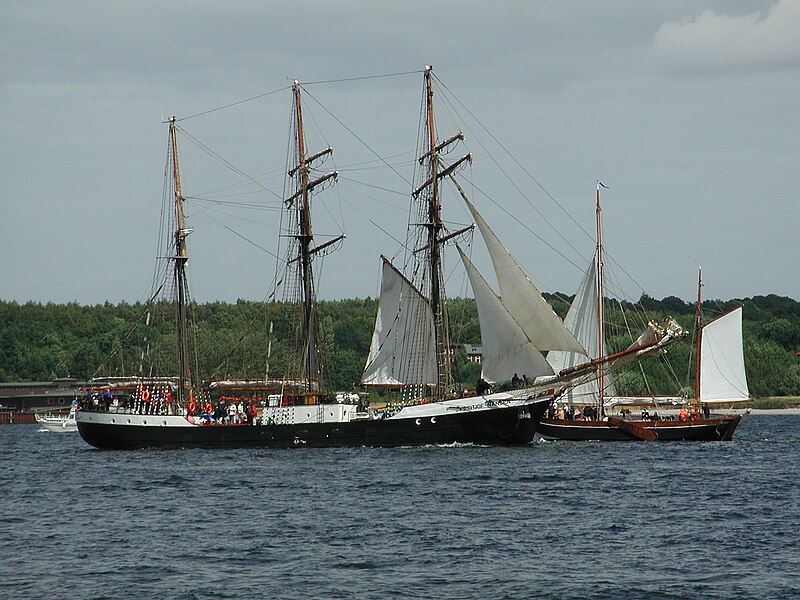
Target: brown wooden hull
{"x":704,"y":430}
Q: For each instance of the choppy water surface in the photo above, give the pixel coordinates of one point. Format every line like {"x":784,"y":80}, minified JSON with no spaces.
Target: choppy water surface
{"x":552,"y":520}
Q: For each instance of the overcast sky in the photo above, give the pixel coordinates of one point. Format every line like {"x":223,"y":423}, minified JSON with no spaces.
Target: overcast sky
{"x":687,"y":110}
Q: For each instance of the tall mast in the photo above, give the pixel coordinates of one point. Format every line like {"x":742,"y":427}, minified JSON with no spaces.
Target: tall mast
{"x":305,"y":236}
{"x":698,"y":337}
{"x":181,"y":257}
{"x":301,"y":202}
{"x":434,"y":228}
{"x":601,"y":334}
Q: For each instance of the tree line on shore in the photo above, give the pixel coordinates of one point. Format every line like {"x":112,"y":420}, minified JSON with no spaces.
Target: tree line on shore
{"x":40,"y":342}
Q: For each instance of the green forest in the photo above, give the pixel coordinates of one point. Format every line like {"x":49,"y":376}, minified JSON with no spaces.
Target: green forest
{"x":40,"y":342}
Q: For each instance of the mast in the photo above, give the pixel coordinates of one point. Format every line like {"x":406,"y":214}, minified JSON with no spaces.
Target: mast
{"x":434,"y":226}
{"x":301,"y":202}
{"x":600,"y":317}
{"x":698,"y":338}
{"x":181,"y":258}
{"x":305,"y":236}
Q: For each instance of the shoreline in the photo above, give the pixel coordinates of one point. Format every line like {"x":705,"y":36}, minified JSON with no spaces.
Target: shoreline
{"x":761,"y":411}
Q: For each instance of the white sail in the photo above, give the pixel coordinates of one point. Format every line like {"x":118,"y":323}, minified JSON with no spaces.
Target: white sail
{"x":506,"y":349}
{"x":522,"y":299}
{"x":722,"y":374}
{"x":581,"y":320}
{"x":403,"y":350}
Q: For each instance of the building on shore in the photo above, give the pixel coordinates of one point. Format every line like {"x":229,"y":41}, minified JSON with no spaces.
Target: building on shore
{"x":38,"y":396}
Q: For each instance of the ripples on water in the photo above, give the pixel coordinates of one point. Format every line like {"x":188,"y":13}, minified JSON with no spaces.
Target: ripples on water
{"x":552,"y":520}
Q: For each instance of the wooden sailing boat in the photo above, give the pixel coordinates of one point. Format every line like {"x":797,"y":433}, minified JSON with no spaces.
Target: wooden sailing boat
{"x":519,"y":325}
{"x":599,"y":426}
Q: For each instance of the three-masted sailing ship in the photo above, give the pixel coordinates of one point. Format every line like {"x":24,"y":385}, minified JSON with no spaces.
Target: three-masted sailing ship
{"x":719,"y":367}
{"x":410,"y":348}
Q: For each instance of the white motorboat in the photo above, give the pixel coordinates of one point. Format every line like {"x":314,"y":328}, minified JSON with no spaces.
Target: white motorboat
{"x":58,"y":423}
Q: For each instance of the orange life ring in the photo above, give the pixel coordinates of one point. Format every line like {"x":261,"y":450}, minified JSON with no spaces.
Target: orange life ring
{"x":192,"y":407}
{"x":209,"y":408}
{"x":146,"y":395}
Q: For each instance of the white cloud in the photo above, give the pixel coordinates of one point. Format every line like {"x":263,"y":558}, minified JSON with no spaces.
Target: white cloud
{"x":732,"y":42}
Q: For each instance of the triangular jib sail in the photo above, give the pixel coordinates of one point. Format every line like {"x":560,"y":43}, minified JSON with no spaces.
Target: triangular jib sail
{"x":722,"y":374}
{"x":506,"y":350}
{"x":581,"y":320}
{"x":522,"y":299}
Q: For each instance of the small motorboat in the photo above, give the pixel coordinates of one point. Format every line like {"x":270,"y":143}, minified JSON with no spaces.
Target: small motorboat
{"x":58,"y":423}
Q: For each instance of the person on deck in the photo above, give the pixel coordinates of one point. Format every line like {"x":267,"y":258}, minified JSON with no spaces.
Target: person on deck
{"x":232,"y":413}
{"x":106,"y":397}
{"x":220,"y":412}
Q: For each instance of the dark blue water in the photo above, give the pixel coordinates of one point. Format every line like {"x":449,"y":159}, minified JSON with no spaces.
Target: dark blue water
{"x":555,"y":520}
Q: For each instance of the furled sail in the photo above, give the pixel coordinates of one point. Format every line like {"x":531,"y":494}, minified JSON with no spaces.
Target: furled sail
{"x":506,"y":349}
{"x":581,"y":320}
{"x":722,"y":374}
{"x":403,"y":350}
{"x":522,"y":299}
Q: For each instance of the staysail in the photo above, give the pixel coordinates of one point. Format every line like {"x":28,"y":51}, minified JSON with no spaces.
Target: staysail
{"x":403,"y":349}
{"x":581,"y":320}
{"x":506,"y":349}
{"x":522,"y":299}
{"x":722,"y":374}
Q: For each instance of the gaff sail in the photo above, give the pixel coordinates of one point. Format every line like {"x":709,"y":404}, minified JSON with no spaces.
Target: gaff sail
{"x":403,"y":349}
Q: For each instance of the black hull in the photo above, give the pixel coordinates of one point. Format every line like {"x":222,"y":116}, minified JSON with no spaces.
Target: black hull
{"x":498,"y":426}
{"x":705,"y":430}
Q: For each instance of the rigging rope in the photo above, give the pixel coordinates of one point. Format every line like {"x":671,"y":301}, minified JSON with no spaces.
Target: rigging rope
{"x":362,"y":78}
{"x":211,"y":110}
